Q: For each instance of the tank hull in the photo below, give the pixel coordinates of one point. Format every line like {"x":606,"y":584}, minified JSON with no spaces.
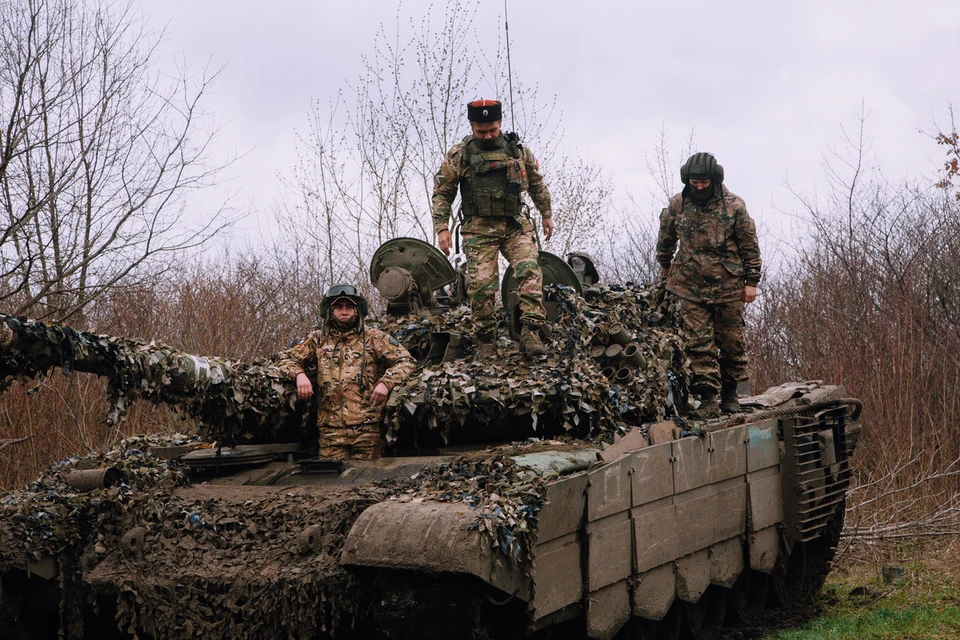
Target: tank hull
{"x":638,"y":536}
{"x":659,"y":528}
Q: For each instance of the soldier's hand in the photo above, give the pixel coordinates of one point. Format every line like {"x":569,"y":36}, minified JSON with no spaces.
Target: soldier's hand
{"x":304,"y":387}
{"x":380,"y":393}
{"x":443,"y":239}
{"x":547,"y":228}
{"x":749,"y":294}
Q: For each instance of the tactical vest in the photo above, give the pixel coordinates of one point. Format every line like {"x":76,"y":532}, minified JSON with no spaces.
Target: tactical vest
{"x":492,"y":183}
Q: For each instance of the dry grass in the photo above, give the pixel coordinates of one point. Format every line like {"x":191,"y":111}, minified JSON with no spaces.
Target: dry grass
{"x":872,"y":303}
{"x":242,"y":312}
{"x":58,"y":417}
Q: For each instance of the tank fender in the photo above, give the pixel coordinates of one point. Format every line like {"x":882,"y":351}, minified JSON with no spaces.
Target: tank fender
{"x":432,"y":537}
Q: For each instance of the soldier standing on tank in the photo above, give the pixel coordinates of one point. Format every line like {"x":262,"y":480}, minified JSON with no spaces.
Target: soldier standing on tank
{"x":357,"y":366}
{"x":714,"y":273}
{"x":491,"y":170}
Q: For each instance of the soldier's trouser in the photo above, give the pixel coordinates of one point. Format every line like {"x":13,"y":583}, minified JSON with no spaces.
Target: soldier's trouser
{"x":483,"y":240}
{"x":361,"y":442}
{"x":716,"y":344}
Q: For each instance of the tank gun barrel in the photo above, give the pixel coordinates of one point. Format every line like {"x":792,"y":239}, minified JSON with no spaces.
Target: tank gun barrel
{"x":232,"y":400}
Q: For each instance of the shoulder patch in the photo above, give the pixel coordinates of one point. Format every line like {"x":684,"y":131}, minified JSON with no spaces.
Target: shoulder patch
{"x":447,"y":171}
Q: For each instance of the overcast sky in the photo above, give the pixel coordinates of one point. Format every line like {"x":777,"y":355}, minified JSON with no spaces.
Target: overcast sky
{"x":766,"y":85}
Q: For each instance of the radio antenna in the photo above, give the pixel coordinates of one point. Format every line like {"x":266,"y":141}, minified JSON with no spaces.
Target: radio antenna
{"x":506,"y":30}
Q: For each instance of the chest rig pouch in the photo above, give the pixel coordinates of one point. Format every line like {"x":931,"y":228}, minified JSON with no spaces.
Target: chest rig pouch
{"x":493,"y":181}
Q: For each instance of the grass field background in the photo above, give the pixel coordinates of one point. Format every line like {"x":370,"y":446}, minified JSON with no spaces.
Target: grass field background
{"x":856,"y":604}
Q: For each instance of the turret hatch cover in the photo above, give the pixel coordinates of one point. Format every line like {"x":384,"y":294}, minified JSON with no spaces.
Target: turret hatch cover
{"x":555,"y":271}
{"x":429,"y":268}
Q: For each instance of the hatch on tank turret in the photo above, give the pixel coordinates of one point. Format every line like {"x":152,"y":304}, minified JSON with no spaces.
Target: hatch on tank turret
{"x":584,"y":266}
{"x":408,"y":272}
{"x":555,"y":271}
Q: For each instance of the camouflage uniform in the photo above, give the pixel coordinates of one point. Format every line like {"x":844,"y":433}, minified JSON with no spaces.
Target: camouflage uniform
{"x":494,"y":223}
{"x":349,"y":366}
{"x":718,"y":256}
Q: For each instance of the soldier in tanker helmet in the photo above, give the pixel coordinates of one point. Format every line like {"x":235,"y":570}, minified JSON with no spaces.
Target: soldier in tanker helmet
{"x":356,"y":366}
{"x":491,"y":170}
{"x":715,"y":272}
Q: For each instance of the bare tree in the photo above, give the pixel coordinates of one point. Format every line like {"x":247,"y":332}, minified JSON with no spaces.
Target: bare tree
{"x":316,"y":225}
{"x":871,"y":301}
{"x":631,"y":254}
{"x":582,"y":194}
{"x":97,"y":155}
{"x":366,"y":167}
{"x":950,"y":139}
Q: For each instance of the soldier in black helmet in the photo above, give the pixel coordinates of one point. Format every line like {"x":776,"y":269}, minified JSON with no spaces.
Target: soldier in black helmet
{"x":357,"y":366}
{"x":715,"y":272}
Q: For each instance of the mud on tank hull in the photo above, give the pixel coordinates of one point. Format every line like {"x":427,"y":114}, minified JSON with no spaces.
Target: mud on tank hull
{"x":680,"y":536}
{"x":685,"y":534}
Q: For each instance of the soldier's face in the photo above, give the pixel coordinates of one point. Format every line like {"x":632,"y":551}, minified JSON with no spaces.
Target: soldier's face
{"x":699,"y":185}
{"x":343,"y":311}
{"x":486,"y":132}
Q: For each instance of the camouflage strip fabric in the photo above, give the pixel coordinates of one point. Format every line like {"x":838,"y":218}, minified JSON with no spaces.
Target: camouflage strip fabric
{"x":716,"y":344}
{"x":484,"y":239}
{"x":230,"y":399}
{"x":212,"y":554}
{"x":566,"y":391}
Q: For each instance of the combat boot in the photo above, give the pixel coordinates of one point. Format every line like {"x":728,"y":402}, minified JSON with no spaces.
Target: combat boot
{"x":709,"y":408}
{"x":486,"y":352}
{"x":728,"y":397}
{"x":530,"y":341}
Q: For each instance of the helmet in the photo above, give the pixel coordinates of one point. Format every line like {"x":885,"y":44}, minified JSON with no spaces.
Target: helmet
{"x":584,"y":266}
{"x":701,"y":163}
{"x":347,"y":291}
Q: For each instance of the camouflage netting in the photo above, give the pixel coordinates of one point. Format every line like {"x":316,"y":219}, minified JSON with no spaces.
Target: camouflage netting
{"x":232,"y":401}
{"x":506,"y":497}
{"x":566,"y":389}
{"x":242,"y":402}
{"x":50,"y":518}
{"x":230,"y":564}
{"x":217,"y":566}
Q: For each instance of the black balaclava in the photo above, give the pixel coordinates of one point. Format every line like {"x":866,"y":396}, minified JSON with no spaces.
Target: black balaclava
{"x":701,"y":195}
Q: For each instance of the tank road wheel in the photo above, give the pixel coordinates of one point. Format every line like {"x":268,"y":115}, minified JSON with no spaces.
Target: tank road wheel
{"x":704,"y":620}
{"x":788,"y":577}
{"x":666,"y":629}
{"x":748,"y":597}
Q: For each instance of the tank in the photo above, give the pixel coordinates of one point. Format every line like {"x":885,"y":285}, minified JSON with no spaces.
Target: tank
{"x":572,"y":495}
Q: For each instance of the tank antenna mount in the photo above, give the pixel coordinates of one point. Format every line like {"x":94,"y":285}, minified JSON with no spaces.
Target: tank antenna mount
{"x":506,"y":31}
